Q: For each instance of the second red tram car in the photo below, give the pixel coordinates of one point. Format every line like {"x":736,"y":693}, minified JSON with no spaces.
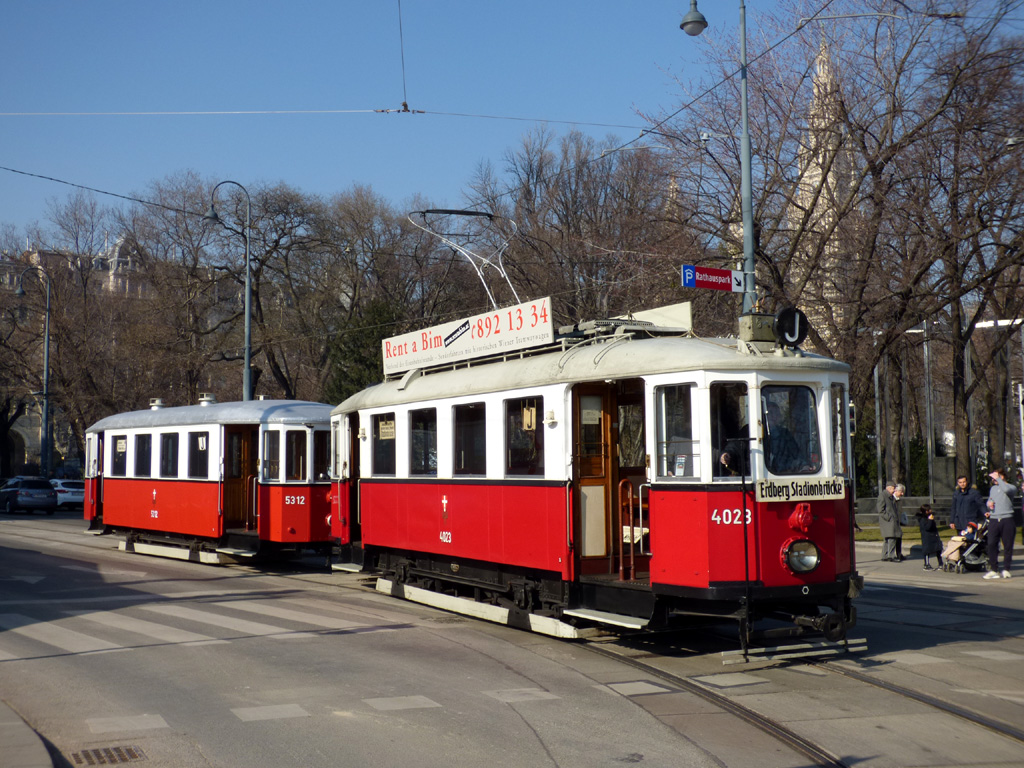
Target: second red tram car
{"x":623,"y":475}
{"x":239,"y":478}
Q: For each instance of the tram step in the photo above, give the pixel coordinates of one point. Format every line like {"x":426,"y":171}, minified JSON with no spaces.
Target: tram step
{"x":236,"y":552}
{"x":347,"y":567}
{"x":603,"y":617}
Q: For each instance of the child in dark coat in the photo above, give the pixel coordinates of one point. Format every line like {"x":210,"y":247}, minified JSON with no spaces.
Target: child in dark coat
{"x":931,"y":542}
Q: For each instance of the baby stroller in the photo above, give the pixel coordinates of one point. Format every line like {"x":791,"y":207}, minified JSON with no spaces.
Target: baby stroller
{"x":966,"y":552}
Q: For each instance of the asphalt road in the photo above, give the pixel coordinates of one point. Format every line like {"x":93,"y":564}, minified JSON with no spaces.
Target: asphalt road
{"x":194,"y":665}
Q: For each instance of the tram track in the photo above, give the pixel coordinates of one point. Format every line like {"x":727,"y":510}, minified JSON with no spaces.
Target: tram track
{"x":961,"y":713}
{"x":816,"y":753}
{"x":804,"y":747}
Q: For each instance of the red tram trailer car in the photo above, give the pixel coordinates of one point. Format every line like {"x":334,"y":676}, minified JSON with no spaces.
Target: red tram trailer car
{"x":201,"y":481}
{"x":615,"y":473}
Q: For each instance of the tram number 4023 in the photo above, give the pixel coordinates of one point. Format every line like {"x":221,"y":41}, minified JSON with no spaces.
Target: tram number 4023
{"x":730,"y":517}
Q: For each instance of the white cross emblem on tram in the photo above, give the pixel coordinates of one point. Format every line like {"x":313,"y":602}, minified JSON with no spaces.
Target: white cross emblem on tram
{"x":444,"y":507}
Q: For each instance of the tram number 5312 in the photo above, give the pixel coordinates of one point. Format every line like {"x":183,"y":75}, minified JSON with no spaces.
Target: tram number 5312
{"x":730,"y":517}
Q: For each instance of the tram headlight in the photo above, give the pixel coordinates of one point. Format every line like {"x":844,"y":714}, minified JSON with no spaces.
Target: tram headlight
{"x":800,"y":555}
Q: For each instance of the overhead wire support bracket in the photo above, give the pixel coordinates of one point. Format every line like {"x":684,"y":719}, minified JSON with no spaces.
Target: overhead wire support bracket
{"x":432,"y":217}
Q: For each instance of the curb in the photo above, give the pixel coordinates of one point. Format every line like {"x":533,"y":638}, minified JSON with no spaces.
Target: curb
{"x":23,"y":747}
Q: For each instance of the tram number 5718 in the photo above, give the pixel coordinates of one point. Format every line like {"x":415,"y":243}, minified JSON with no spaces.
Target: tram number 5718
{"x":730,"y":517}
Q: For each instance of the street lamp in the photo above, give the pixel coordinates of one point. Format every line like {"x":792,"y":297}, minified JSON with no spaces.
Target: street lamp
{"x":693,"y":24}
{"x":212,"y":216}
{"x":44,"y":442}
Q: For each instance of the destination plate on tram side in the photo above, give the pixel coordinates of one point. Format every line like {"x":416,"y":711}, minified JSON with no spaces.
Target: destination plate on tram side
{"x":502,"y":330}
{"x":802,"y":489}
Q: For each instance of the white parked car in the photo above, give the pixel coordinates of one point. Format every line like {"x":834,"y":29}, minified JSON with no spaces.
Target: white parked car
{"x":70,"y":493}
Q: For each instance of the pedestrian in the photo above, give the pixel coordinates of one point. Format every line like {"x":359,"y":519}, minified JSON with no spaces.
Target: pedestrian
{"x":888,"y":521}
{"x":897,"y":494}
{"x":1001,"y":526}
{"x":968,"y":506}
{"x":931,"y":542}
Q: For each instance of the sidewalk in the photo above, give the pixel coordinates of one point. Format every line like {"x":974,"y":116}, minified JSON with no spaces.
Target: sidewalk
{"x":22,"y":747}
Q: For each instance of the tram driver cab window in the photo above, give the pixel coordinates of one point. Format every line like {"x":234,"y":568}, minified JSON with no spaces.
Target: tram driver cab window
{"x":730,"y":429}
{"x":792,"y":444}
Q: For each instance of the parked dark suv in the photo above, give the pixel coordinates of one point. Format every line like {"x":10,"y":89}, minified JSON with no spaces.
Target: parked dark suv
{"x":29,"y":494}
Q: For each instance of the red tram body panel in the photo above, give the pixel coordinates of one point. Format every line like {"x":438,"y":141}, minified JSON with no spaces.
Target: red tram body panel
{"x":248,"y":476}
{"x":523,"y":526}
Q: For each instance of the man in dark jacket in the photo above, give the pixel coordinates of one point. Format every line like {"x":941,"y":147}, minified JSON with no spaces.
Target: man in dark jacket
{"x":968,"y":506}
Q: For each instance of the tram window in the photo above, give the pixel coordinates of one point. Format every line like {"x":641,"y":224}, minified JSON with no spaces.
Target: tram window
{"x":119,"y":457}
{"x":143,"y":456}
{"x":272,"y":455}
{"x":470,"y":439}
{"x":199,"y":455}
{"x":678,"y":446}
{"x":233,"y":455}
{"x":730,"y":430}
{"x":169,"y":454}
{"x":321,"y":454}
{"x":839,"y":430}
{"x":384,"y":444}
{"x":792,"y":445}
{"x":423,"y":442}
{"x":295,"y":454}
{"x":524,"y":436}
{"x":632,"y":442}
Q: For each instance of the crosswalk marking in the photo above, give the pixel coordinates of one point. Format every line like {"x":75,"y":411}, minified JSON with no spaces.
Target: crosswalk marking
{"x":227,"y":622}
{"x":161,"y":632}
{"x":53,"y":634}
{"x":276,"y":611}
{"x":271,"y":712}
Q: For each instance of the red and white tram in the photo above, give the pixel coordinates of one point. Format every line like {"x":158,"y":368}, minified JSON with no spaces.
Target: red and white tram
{"x":213,"y":479}
{"x":618,"y":474}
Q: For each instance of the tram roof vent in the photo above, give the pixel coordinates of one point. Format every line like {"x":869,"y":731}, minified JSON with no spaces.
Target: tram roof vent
{"x":156,"y":403}
{"x":207,"y":398}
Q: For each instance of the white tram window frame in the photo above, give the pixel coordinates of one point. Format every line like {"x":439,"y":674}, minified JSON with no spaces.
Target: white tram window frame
{"x":383,"y":448}
{"x":339,"y":447}
{"x":839,"y":425}
{"x":270,"y":455}
{"x":666,"y":463}
{"x":320,"y":451}
{"x":754,"y":465}
{"x":138,"y":438}
{"x":425,"y":440}
{"x":459,"y":457}
{"x":92,"y":467}
{"x":200,"y":448}
{"x":119,"y":446}
{"x":524,"y":413}
{"x":820,"y":390}
{"x":296,"y":454}
{"x":169,"y":470}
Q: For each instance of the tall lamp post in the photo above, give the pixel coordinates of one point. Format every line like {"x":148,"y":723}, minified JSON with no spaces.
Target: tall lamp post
{"x":693,"y":24}
{"x":44,"y":441}
{"x":212,"y":216}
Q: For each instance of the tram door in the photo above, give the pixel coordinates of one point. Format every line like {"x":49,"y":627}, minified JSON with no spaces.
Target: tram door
{"x":593,"y":469}
{"x":240,"y":454}
{"x":608,"y":447}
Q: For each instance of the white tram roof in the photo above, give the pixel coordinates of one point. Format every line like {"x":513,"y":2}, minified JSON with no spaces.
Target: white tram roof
{"x":620,"y":356}
{"x":240,"y":412}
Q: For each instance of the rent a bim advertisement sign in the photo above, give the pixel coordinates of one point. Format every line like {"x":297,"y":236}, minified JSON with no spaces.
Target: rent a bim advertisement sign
{"x":503,"y":330}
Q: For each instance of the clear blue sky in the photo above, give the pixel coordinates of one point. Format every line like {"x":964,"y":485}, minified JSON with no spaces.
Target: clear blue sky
{"x":588,"y":61}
